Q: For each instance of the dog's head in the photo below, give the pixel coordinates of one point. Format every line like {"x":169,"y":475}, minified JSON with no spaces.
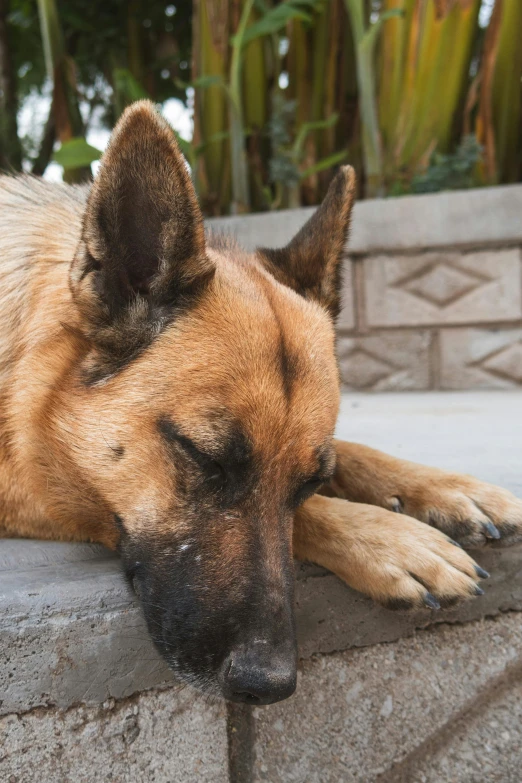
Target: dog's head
{"x":209,"y":395}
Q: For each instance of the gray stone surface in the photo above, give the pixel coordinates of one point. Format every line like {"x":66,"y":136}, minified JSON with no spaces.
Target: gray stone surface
{"x":470,"y":218}
{"x":481,"y":358}
{"x":157,"y":737}
{"x":412,"y":711}
{"x":443,"y":288}
{"x":473,"y":432}
{"x":386,"y":361}
{"x":70,"y":628}
{"x":485,"y":749}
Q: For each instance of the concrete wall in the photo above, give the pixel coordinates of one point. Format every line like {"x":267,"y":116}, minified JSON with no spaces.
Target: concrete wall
{"x":432,"y":289}
{"x":433,"y":298}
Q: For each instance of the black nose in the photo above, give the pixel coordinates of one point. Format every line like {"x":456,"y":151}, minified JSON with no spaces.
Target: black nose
{"x":259,"y":674}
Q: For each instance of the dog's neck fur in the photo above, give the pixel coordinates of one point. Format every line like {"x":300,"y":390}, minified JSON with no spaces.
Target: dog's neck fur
{"x":40,"y":226}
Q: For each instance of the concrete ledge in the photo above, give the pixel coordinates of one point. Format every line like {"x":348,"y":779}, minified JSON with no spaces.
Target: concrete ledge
{"x":73,"y":633}
{"x":154,"y":737}
{"x":469,"y":218}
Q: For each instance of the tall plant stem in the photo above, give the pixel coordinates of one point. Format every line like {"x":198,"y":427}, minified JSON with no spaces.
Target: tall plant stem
{"x":60,"y":70}
{"x":364,"y":39}
{"x":240,"y":189}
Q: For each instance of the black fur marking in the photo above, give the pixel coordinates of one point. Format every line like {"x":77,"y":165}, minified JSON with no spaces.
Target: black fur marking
{"x":288,"y":361}
{"x":326,"y":457}
{"x":129,"y":339}
{"x":117,"y":451}
{"x":227,"y":466}
{"x":309,"y":486}
{"x":193,"y":624}
{"x":119,"y":523}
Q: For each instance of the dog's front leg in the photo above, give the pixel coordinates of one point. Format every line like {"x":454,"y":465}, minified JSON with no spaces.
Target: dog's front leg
{"x":396,"y":560}
{"x":468,"y":510}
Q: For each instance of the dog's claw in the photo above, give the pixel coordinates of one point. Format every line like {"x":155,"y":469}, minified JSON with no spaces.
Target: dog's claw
{"x":431,"y":602}
{"x":455,"y":543}
{"x":491,"y":531}
{"x":479,"y":590}
{"x":396,"y":506}
{"x":481,"y":573}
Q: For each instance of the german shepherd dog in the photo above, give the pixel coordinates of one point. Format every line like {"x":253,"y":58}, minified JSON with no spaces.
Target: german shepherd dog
{"x":172,"y":396}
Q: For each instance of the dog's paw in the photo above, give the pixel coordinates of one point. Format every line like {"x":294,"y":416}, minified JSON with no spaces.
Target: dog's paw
{"x":469,"y":511}
{"x":417,"y":566}
{"x":394,"y":559}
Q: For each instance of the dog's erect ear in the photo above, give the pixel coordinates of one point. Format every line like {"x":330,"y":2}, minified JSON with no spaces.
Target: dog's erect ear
{"x":142,"y":253}
{"x":311,"y":263}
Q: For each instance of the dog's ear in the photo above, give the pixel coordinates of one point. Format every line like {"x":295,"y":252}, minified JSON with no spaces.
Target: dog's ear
{"x":311,"y":263}
{"x":142,"y":252}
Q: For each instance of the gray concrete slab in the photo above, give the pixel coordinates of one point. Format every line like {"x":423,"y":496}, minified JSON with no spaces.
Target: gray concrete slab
{"x":468,"y":218}
{"x":473,"y":432}
{"x":156,"y":737}
{"x":440,"y":707}
{"x":70,"y":628}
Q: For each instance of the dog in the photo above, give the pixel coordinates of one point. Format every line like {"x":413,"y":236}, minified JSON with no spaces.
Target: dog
{"x":167,"y":394}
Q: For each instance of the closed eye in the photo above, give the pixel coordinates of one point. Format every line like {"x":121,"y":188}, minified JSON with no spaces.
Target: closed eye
{"x":213,"y":471}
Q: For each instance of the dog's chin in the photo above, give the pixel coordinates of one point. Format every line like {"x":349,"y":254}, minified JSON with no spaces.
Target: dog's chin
{"x":204,"y":682}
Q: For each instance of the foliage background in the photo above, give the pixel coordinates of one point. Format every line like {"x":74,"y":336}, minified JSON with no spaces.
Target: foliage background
{"x":419,"y":95}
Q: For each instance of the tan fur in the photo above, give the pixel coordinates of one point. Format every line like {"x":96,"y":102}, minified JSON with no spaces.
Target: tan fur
{"x":58,"y":486}
{"x":61,"y":435}
{"x":392,"y":558}
{"x":459,"y":505}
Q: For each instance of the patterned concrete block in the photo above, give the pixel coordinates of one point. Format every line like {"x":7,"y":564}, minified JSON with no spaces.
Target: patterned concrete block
{"x":372,"y":715}
{"x":160,"y":736}
{"x":481,"y":358}
{"x":346,"y":318}
{"x":443,"y":288}
{"x":386,"y":361}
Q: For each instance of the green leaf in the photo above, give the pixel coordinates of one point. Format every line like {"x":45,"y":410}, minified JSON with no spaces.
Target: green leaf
{"x":76,"y":153}
{"x":202,"y":82}
{"x":276,"y":18}
{"x":309,"y":127}
{"x":370,"y":36}
{"x":125,"y":84}
{"x":325,"y":163}
{"x":215,"y":137}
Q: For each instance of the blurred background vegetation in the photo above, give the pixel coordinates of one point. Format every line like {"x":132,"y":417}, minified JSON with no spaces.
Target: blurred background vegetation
{"x":269,"y":96}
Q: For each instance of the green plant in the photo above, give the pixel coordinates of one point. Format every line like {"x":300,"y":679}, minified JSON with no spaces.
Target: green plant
{"x":213,"y":75}
{"x":424,"y":67}
{"x":365,"y":35}
{"x":286,"y":169}
{"x":61,"y":72}
{"x":455,"y":171}
{"x":498,"y":88}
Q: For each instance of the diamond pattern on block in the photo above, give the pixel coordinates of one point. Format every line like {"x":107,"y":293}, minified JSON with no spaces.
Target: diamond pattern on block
{"x":442,"y":285}
{"x":507,"y":363}
{"x":365,"y":370}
